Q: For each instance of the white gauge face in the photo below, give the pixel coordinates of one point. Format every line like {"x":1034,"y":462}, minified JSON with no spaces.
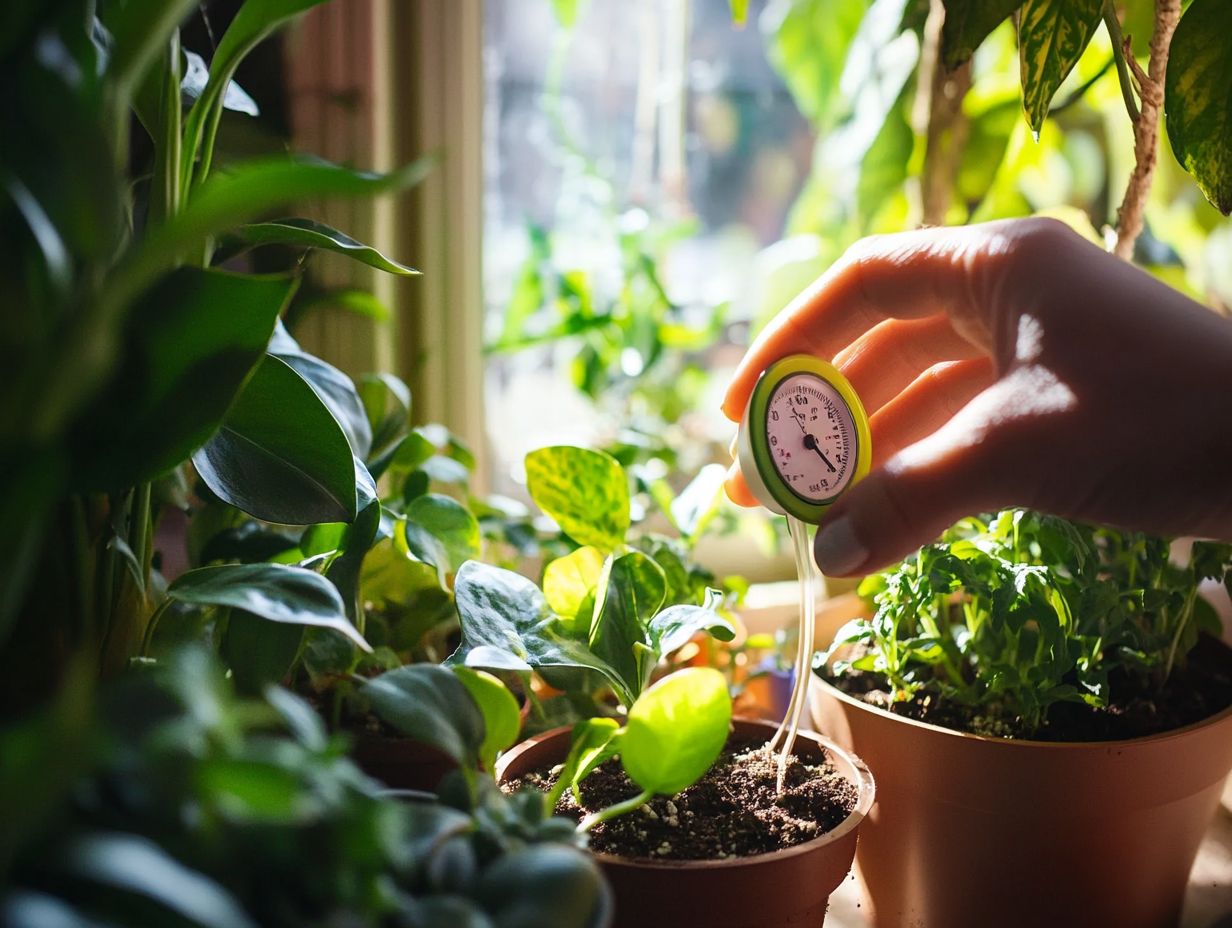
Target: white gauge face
{"x":812,"y":437}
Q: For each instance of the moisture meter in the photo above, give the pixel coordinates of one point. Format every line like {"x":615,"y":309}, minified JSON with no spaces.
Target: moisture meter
{"x":804,"y":438}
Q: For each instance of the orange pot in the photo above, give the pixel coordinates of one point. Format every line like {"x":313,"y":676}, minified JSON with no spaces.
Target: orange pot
{"x":784,"y":888}
{"x":973,"y":832}
{"x":401,"y":763}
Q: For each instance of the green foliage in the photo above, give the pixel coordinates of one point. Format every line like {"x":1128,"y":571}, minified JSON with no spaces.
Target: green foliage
{"x":631,"y":591}
{"x":1198,"y":98}
{"x":308,"y":233}
{"x":192,"y":807}
{"x":676,"y":730}
{"x":585,"y":491}
{"x":1016,"y":612}
{"x":809,"y":48}
{"x":968,"y":23}
{"x":1052,"y":35}
{"x":502,"y":719}
{"x":429,"y":704}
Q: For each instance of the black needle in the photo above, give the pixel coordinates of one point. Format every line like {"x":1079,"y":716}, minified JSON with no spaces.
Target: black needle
{"x":811,"y":443}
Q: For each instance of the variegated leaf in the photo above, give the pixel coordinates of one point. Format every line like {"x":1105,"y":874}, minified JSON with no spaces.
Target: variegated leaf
{"x":1052,"y":35}
{"x":1198,"y":98}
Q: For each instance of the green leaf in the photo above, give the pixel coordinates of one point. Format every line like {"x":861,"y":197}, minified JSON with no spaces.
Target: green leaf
{"x":255,"y":20}
{"x":506,"y":624}
{"x":502,"y":719}
{"x":884,"y":167}
{"x":428,"y":703}
{"x":676,"y":730}
{"x":136,"y":865}
{"x":569,"y":583}
{"x":280,"y":455}
{"x":676,"y":625}
{"x":631,"y":590}
{"x":1052,"y":35}
{"x":139,"y":31}
{"x":699,"y":501}
{"x":590,"y":743}
{"x":449,"y":523}
{"x":542,"y":885}
{"x":586,"y":492}
{"x":346,"y":569}
{"x":968,"y":23}
{"x":739,"y":11}
{"x":259,"y":652}
{"x":276,"y":592}
{"x":188,"y":347}
{"x":809,"y":49}
{"x":308,"y":233}
{"x":234,"y":196}
{"x":1198,"y":98}
{"x":337,"y":392}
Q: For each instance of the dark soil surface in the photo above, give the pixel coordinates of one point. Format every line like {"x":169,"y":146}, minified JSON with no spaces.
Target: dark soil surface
{"x":733,"y":811}
{"x":1199,"y":689}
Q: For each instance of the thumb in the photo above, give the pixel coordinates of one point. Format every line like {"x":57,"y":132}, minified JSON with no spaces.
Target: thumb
{"x":906,"y":503}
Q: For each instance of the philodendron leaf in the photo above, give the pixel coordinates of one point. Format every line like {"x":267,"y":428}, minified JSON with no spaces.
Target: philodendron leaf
{"x":1198,"y":98}
{"x":276,"y":592}
{"x":280,"y":455}
{"x":133,"y":864}
{"x":586,"y":492}
{"x":1052,"y":35}
{"x":591,"y":742}
{"x":502,"y":719}
{"x":428,"y":703}
{"x":308,"y":233}
{"x":968,"y":23}
{"x":631,"y":590}
{"x":507,"y":625}
{"x":450,"y":524}
{"x":674,"y":626}
{"x":569,"y":583}
{"x":676,"y":730}
{"x":338,"y":393}
{"x":188,"y":346}
{"x":259,"y":652}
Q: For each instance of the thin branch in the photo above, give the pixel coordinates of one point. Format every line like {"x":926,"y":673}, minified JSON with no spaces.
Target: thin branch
{"x":939,"y":117}
{"x":1146,"y":129}
{"x":1121,"y":54}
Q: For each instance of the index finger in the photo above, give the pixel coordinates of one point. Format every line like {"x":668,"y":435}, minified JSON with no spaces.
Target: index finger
{"x":907,"y":275}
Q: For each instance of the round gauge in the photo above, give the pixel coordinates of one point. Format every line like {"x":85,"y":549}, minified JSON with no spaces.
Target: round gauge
{"x":804,"y":438}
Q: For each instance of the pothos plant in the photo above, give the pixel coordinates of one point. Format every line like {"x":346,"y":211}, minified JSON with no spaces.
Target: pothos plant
{"x":1011,"y":614}
{"x":608,"y":611}
{"x":130,"y":349}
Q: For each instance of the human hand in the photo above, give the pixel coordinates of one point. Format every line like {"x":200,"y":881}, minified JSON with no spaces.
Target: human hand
{"x":1011,"y":363}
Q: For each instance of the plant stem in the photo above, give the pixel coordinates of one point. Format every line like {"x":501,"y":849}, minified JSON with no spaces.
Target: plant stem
{"x":1146,"y":129}
{"x":938,"y":116}
{"x":1113,"y":26}
{"x":147,"y":638}
{"x":620,"y":808}
{"x":1176,"y":635}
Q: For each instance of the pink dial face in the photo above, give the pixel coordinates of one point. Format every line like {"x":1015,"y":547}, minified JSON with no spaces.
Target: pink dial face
{"x":812,"y":437}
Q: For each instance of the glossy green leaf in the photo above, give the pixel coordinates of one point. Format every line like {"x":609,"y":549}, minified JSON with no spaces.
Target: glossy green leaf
{"x":188,"y":347}
{"x":346,"y":570}
{"x":387,"y":404}
{"x":569,"y":583}
{"x":673,"y":627}
{"x":1052,"y":35}
{"x":241,"y":192}
{"x":591,"y":742}
{"x":968,"y":23}
{"x":276,"y":592}
{"x":631,"y":591}
{"x":676,"y":730}
{"x":258,"y":652}
{"x":506,"y":624}
{"x":428,"y":703}
{"x":280,"y":454}
{"x":308,"y":233}
{"x":502,"y":719}
{"x":585,"y":491}
{"x":449,"y":523}
{"x":136,"y":865}
{"x":545,"y":884}
{"x":338,"y":393}
{"x":1198,"y":98}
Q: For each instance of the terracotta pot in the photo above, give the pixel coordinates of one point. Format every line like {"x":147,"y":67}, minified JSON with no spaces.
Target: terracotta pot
{"x":783,"y":888}
{"x":972,"y":832}
{"x":400,"y":763}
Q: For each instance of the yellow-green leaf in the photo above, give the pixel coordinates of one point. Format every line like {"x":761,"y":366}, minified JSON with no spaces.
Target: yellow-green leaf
{"x":1198,"y":98}
{"x":585,"y":491}
{"x":569,"y":584}
{"x":1052,"y":35}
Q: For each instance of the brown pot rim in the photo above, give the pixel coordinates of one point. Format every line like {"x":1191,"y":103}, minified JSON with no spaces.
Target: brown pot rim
{"x":865,"y":786}
{"x":1020,"y":743}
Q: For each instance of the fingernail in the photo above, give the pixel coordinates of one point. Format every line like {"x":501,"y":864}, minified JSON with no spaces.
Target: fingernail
{"x":838,"y":550}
